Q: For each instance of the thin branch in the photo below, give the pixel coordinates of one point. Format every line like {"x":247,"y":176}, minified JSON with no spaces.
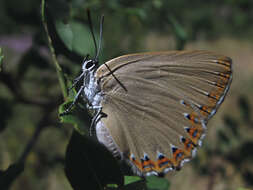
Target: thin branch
{"x":58,"y":69}
{"x":42,"y":124}
{"x":15,"y":88}
{"x":14,"y":171}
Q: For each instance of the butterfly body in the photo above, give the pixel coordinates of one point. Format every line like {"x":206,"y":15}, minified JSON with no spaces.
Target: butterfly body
{"x":90,"y":90}
{"x":152,"y":108}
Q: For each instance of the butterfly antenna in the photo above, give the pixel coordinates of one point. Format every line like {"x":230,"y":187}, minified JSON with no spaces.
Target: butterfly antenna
{"x":92,"y":32}
{"x":100,"y":42}
{"x":100,"y":36}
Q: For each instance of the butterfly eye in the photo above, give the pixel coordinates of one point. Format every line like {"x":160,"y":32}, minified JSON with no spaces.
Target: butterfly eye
{"x":89,"y":64}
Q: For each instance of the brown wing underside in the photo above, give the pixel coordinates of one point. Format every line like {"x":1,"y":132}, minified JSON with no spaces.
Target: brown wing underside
{"x":170,"y":97}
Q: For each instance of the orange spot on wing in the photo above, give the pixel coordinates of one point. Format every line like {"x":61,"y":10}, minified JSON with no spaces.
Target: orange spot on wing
{"x":206,"y":110}
{"x":195,"y":134}
{"x":214,"y":98}
{"x":137,"y":163}
{"x":178,"y":156}
{"x":163,"y":163}
{"x":221,"y":84}
{"x":226,"y":61}
{"x":214,"y":95}
{"x":224,"y":76}
{"x":148,"y":165}
{"x":188,"y":147}
{"x":194,"y":119}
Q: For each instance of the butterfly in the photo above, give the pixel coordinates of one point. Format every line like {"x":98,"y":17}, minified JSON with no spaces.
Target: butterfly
{"x":151,"y":109}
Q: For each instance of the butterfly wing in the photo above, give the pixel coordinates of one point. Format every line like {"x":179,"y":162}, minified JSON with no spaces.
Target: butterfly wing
{"x":159,"y":105}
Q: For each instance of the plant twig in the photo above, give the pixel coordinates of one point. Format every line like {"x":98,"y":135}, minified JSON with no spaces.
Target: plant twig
{"x":59,"y":72}
{"x":15,"y":88}
{"x":16,"y":169}
{"x":44,"y":122}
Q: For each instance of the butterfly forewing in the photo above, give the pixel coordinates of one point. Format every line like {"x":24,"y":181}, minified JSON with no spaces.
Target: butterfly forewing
{"x":159,"y":119}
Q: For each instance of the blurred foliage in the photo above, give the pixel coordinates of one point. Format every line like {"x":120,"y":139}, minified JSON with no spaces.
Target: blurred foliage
{"x":33,"y":144}
{"x":234,"y":147}
{"x":1,"y":59}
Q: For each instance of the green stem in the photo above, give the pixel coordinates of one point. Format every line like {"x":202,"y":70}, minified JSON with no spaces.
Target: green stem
{"x":58,"y":68}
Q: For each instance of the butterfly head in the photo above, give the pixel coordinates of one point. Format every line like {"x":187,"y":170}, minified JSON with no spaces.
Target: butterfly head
{"x":89,"y":65}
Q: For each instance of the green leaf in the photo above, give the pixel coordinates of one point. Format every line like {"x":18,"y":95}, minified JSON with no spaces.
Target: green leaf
{"x":1,"y":59}
{"x":156,"y":183}
{"x":89,"y":165}
{"x":134,"y":183}
{"x":82,"y":41}
{"x":76,"y":36}
{"x":178,"y":28}
{"x":112,"y":186}
{"x":131,"y":179}
{"x":180,"y":34}
{"x":65,"y":33}
{"x":80,"y":118}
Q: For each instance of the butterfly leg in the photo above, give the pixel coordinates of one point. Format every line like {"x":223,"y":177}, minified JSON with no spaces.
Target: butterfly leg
{"x":75,"y":81}
{"x":74,"y":102}
{"x":99,"y":114}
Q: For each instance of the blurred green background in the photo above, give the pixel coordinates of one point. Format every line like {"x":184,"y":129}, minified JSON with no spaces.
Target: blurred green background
{"x":30,"y":93}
